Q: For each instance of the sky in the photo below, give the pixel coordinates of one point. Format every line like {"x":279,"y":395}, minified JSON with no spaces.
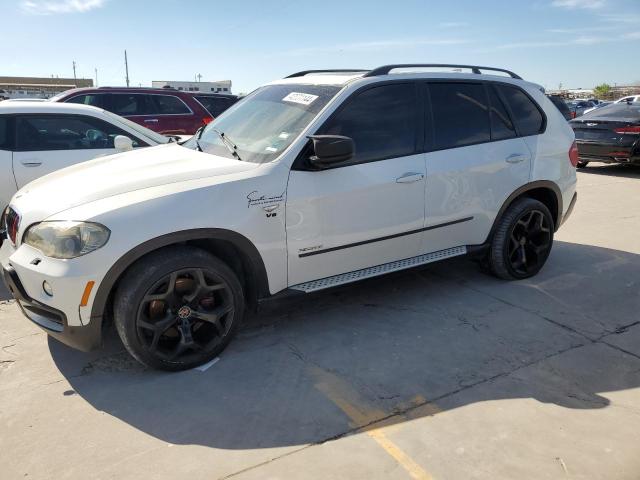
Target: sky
{"x":576,"y":43}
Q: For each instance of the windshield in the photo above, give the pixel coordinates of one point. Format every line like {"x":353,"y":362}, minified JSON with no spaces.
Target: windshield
{"x":262,"y":125}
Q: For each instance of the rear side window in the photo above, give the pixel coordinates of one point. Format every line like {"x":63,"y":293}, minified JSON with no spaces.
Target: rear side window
{"x":95,"y":100}
{"x":526,"y":115}
{"x":501,"y":125}
{"x":460,"y":114}
{"x":214,"y":105}
{"x":381,"y":121}
{"x":66,"y":132}
{"x":169,"y":105}
{"x":131,"y":104}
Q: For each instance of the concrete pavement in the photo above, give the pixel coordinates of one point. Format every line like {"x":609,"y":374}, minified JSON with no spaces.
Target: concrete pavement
{"x":439,"y":373}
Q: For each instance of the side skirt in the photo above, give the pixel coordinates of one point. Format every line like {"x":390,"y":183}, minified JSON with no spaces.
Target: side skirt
{"x":328,"y":282}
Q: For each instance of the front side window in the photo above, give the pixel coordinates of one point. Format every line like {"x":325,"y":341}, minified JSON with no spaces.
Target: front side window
{"x":526,"y":115}
{"x":4,"y":133}
{"x":264,"y":123}
{"x":65,"y":132}
{"x":380,"y":120}
{"x":170,"y":105}
{"x":126,"y":104}
{"x":460,"y":114}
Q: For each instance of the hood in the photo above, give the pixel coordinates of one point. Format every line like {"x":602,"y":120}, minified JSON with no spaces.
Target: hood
{"x":122,"y":173}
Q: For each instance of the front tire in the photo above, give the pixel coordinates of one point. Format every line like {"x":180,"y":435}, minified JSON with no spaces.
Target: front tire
{"x":178,"y":308}
{"x":522,"y":241}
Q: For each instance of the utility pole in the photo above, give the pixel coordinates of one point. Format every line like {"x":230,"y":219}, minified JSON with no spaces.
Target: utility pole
{"x":75,"y":80}
{"x":199,"y":77}
{"x":126,"y":67}
{"x":96,"y":76}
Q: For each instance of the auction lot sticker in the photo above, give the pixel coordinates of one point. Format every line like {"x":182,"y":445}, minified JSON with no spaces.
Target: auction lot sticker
{"x":301,"y":98}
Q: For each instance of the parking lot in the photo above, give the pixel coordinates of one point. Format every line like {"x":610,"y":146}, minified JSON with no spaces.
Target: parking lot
{"x":440,"y":372}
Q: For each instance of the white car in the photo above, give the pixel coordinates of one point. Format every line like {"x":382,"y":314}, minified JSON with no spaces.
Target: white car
{"x":37,"y":138}
{"x":313,"y":181}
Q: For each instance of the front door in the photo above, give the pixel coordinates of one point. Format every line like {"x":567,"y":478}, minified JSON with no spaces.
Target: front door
{"x":369,"y":211}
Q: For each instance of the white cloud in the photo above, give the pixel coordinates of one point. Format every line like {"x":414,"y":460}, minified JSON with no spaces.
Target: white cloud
{"x":579,"y":4}
{"x":632,"y":36}
{"x":48,"y":7}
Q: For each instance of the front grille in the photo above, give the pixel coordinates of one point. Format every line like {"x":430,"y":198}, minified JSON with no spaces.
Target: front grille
{"x":11,"y":224}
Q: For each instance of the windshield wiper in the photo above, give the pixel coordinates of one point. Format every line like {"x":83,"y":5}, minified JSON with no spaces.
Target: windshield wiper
{"x":198,"y":135}
{"x":232,"y":147}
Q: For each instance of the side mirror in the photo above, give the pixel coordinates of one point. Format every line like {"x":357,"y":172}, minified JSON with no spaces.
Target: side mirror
{"x":331,"y":149}
{"x":122,"y":143}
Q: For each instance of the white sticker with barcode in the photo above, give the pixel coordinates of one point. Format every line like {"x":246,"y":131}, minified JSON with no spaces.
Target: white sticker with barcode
{"x":301,"y":98}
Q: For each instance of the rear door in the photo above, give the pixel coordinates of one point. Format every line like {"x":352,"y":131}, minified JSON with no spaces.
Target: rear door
{"x":46,"y":143}
{"x":137,"y":107}
{"x":173,"y":115}
{"x":475,"y":160}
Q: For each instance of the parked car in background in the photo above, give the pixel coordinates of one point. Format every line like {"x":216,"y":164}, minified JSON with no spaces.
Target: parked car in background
{"x":599,"y":105}
{"x":630,"y":98}
{"x":577,"y":107}
{"x":264,"y":200}
{"x":37,"y":138}
{"x":561,"y":104}
{"x":610,"y":134}
{"x":163,"y":110}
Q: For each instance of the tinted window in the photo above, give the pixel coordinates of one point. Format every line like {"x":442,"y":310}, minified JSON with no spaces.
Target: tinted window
{"x":131,"y":104}
{"x":460,"y":114}
{"x":617,"y":110}
{"x":501,"y":125}
{"x":215,"y":105}
{"x":95,"y":100}
{"x":380,"y":120}
{"x":170,"y":105}
{"x":4,"y":133}
{"x":526,"y":115}
{"x":66,"y":133}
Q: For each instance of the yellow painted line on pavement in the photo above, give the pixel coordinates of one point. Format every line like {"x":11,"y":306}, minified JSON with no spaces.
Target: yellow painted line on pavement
{"x":345,"y":397}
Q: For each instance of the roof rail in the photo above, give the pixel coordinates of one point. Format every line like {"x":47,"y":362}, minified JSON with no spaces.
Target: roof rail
{"x":474,"y":68}
{"x":335,"y":70}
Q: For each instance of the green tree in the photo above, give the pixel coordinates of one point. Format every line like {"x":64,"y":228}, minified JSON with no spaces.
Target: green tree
{"x":603,"y":90}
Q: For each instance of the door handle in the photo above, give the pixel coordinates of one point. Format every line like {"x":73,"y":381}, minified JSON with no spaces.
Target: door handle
{"x":516,"y":158}
{"x":151,"y":120}
{"x":410,"y":177}
{"x":31,"y":162}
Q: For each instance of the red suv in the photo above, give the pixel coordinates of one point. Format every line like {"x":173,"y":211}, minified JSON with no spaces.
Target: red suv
{"x":164,"y":110}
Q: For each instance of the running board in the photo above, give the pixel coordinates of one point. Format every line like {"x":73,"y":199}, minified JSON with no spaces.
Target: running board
{"x":322,"y":283}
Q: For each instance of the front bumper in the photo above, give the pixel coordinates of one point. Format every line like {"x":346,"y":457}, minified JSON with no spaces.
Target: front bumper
{"x":51,"y":320}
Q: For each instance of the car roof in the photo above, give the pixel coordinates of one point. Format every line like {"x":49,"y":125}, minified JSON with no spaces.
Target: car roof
{"x":48,"y":107}
{"x":157,"y":91}
{"x":343,"y":79}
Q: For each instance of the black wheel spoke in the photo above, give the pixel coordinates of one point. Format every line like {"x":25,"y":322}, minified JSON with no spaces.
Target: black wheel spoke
{"x":529,"y":242}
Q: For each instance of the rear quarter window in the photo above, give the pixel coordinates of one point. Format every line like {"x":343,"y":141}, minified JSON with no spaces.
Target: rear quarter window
{"x":526,"y":114}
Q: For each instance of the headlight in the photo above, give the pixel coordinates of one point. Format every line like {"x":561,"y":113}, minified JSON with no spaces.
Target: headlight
{"x":66,"y":239}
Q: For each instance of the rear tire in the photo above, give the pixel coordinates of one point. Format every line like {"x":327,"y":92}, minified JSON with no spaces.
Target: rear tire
{"x":582,"y":164}
{"x":178,"y":308}
{"x":522,"y":240}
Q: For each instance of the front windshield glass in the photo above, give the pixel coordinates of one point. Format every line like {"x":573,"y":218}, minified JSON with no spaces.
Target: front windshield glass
{"x":262,"y":125}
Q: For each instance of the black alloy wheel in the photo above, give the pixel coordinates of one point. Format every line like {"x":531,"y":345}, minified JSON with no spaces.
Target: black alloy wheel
{"x":178,"y":308}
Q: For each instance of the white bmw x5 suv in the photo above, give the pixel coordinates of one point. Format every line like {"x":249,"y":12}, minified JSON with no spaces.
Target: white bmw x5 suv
{"x":313,"y":181}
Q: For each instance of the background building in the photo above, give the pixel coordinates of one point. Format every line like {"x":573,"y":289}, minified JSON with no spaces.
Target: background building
{"x":222,"y":86}
{"x":38,"y":87}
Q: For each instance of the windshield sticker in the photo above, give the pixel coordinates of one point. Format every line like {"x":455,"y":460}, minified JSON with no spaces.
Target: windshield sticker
{"x":301,"y":98}
{"x":271,"y":149}
{"x":284,"y":135}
